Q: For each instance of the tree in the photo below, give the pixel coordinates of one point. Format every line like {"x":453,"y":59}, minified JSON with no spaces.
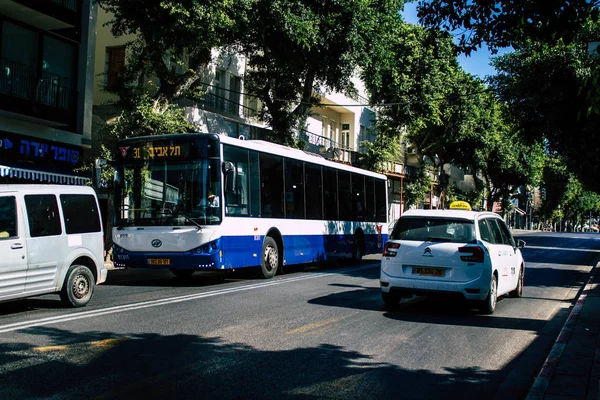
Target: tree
{"x":543,"y":86}
{"x":297,"y":49}
{"x":171,"y":34}
{"x":506,"y":23}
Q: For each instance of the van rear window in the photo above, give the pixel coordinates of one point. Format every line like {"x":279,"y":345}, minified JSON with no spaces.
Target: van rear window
{"x":81,"y":213}
{"x":424,"y":229}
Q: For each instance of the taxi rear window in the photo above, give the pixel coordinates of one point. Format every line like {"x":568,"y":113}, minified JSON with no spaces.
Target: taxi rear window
{"x":425,"y":229}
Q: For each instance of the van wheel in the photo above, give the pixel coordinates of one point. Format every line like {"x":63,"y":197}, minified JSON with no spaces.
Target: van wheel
{"x":78,"y":286}
{"x":183,"y":273}
{"x":518,"y":292}
{"x":489,"y":304}
{"x":270,"y":258}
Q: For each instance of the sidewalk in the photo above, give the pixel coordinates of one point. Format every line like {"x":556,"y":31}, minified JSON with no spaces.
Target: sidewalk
{"x":572,"y":369}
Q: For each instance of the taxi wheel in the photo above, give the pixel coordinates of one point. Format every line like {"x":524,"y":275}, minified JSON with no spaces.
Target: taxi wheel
{"x":489,"y":304}
{"x":390,"y":299}
{"x":518,"y":292}
{"x":78,"y":286}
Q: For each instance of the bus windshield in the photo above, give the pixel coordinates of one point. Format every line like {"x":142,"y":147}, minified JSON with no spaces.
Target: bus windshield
{"x":160,"y":193}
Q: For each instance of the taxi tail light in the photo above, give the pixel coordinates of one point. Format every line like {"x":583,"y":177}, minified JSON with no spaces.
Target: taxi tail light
{"x":390,"y":246}
{"x":475,"y":254}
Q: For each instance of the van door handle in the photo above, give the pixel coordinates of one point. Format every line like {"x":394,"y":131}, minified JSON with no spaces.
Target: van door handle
{"x":16,"y":246}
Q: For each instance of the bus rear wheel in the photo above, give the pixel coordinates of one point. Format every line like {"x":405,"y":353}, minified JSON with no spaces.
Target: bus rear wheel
{"x":270,"y":258}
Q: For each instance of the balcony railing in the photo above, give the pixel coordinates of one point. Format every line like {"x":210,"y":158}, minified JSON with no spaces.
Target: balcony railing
{"x":67,"y":11}
{"x":68,"y":4}
{"x":211,"y":100}
{"x":327,"y":147}
{"x":22,"y":81}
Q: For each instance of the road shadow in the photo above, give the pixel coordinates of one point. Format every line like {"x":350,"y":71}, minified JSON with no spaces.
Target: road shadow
{"x":106,"y":365}
{"x":164,"y":278}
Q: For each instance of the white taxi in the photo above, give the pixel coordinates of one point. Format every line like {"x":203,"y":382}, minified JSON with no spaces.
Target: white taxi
{"x":467,"y":254}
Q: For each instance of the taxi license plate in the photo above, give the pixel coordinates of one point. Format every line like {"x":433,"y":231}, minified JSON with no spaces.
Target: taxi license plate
{"x":159,"y":261}
{"x":429,"y":271}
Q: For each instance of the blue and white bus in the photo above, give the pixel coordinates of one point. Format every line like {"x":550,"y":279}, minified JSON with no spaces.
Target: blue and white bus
{"x":196,"y":202}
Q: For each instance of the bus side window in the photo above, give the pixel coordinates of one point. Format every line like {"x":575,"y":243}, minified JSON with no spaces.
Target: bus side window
{"x":236,"y":181}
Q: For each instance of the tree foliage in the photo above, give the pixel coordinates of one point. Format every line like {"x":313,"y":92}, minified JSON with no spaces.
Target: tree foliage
{"x":175,"y":39}
{"x":544,"y":87}
{"x":507,"y":23}
{"x":297,"y":49}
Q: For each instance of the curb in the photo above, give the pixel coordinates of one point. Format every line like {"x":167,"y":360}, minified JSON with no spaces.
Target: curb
{"x":542,"y":381}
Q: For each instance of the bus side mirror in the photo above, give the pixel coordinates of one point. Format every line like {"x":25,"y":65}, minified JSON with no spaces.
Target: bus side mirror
{"x":230,"y":176}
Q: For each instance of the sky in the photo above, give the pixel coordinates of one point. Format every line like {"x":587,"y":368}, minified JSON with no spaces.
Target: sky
{"x":478,"y":63}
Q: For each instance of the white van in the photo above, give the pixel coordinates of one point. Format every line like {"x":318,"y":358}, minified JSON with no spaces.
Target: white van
{"x":51,"y":240}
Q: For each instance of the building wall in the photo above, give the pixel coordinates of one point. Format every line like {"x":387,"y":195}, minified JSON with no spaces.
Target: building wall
{"x":104,"y":40}
{"x":46,"y":88}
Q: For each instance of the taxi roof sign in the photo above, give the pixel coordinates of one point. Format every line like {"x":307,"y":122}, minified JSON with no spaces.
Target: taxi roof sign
{"x":460,"y":205}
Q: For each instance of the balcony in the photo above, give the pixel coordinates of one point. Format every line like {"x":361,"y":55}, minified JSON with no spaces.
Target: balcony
{"x":328,"y":148}
{"x":47,"y":15}
{"x":211,"y":102}
{"x":46,"y":96}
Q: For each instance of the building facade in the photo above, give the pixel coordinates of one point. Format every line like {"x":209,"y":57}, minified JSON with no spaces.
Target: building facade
{"x":46,"y":83}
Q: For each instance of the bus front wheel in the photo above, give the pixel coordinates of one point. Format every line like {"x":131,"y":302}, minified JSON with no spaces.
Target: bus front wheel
{"x":270,"y":258}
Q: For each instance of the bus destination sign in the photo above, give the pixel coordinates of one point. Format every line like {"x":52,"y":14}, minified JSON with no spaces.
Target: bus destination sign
{"x":155,"y":151}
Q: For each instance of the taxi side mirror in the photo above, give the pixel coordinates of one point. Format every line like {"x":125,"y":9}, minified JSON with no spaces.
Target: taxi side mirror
{"x":520,"y":243}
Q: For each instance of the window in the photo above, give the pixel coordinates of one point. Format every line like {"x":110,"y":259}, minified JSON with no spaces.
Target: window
{"x":484,"y":231}
{"x":358,"y":197}
{"x":8,"y":217}
{"x":332,"y":130}
{"x":495,"y":233}
{"x":220,"y":89}
{"x":506,"y":236}
{"x":19,"y":60}
{"x":370,"y":198}
{"x":330,"y":193}
{"x":424,"y":229}
{"x":314,"y":196}
{"x":115,"y":63}
{"x":380,"y":200}
{"x":42,"y":213}
{"x":81,"y":213}
{"x":235,"y":89}
{"x":236,"y":181}
{"x":294,"y":189}
{"x":253,"y":171}
{"x":271,"y":190}
{"x":345,"y":196}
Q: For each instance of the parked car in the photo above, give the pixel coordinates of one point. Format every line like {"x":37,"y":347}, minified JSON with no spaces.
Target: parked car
{"x":467,"y":254}
{"x":51,"y":241}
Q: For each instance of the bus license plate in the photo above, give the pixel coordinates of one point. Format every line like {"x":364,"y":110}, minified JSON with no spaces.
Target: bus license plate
{"x":159,"y":261}
{"x":429,"y":271}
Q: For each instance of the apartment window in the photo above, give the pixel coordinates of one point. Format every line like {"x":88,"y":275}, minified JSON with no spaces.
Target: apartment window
{"x":220,"y":89}
{"x":115,"y":63}
{"x":18,"y":60}
{"x":332,"y":130}
{"x":235,"y":89}
{"x":58,"y":73}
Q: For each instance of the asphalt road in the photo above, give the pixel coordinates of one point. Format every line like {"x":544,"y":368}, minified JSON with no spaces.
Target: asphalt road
{"x":313,"y":332}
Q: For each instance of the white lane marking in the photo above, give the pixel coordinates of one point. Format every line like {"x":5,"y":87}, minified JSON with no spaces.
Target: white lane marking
{"x":170,"y":300}
{"x":561,"y":248}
